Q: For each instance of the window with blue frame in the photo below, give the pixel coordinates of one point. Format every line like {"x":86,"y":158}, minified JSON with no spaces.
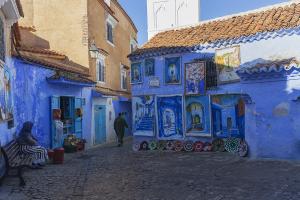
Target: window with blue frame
{"x":100,"y":70}
{"x":2,"y":41}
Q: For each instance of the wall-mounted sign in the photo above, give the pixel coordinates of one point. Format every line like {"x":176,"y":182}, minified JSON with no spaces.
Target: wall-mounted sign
{"x":154,"y":82}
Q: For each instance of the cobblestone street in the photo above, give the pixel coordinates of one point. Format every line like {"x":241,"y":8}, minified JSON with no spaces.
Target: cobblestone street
{"x":115,"y":173}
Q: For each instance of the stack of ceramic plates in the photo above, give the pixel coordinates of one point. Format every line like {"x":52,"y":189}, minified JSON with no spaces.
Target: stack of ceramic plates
{"x":243,"y":149}
{"x":170,"y":145}
{"x":144,"y":146}
{"x":178,"y":146}
{"x":152,"y":145}
{"x":232,"y":145}
{"x":218,"y":145}
{"x":136,"y":146}
{"x":161,"y":145}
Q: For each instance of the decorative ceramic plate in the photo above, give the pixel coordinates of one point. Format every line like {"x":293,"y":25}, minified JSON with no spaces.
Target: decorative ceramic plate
{"x":198,"y":146}
{"x":161,"y":145}
{"x":232,"y":145}
{"x":243,"y":149}
{"x":207,"y":146}
{"x":152,"y":145}
{"x":170,"y":145}
{"x":144,"y":146}
{"x":218,"y":145}
{"x":136,"y":146}
{"x":189,"y":146}
{"x":178,"y":146}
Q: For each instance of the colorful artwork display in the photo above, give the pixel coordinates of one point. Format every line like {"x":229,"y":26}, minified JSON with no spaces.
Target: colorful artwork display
{"x":172,"y":70}
{"x":228,"y":115}
{"x":169,"y":117}
{"x":197,"y":117}
{"x":195,"y":78}
{"x":228,"y":60}
{"x":143,"y":115}
{"x":136,"y":73}
{"x":150,"y":67}
{"x":6,"y":108}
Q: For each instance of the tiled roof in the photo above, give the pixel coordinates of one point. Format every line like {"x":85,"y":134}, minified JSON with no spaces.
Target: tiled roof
{"x":284,"y":16}
{"x":52,"y":62}
{"x":71,"y":77}
{"x":41,"y":51}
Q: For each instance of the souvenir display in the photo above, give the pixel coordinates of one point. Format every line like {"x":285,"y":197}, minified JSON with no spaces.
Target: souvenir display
{"x":232,"y":145}
{"x":170,"y":145}
{"x":161,"y":145}
{"x":243,"y":149}
{"x":207,"y":147}
{"x":189,"y":146}
{"x":178,"y":145}
{"x":144,"y":146}
{"x":198,"y":146}
{"x":136,"y":146}
{"x":152,"y":145}
{"x":218,"y":145}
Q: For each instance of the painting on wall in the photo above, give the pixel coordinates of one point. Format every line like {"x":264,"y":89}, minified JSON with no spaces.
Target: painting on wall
{"x":143,"y":115}
{"x":136,"y":73}
{"x":169,"y":117}
{"x":172,"y":70}
{"x":228,"y":60}
{"x":197,"y":116}
{"x":195,"y":78}
{"x":228,"y":115}
{"x":6,"y":108}
{"x":150,"y":67}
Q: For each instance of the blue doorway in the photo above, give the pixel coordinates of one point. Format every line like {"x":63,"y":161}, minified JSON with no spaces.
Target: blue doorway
{"x":100,"y":124}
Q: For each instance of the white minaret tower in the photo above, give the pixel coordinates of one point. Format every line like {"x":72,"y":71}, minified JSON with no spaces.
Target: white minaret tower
{"x":169,"y":14}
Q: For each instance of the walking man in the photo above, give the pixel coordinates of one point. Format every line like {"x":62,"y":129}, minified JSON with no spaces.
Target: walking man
{"x":119,"y":126}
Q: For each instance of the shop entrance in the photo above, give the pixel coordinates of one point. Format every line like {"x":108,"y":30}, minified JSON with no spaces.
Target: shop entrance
{"x":66,"y":115}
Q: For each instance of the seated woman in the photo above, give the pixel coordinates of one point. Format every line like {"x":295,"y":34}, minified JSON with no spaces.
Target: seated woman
{"x":29,"y":145}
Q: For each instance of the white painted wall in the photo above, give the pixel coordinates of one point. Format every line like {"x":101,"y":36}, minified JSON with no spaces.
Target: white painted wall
{"x":110,"y":133}
{"x":169,"y":14}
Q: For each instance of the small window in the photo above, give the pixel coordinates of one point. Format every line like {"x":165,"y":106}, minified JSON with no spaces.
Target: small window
{"x":123,"y":78}
{"x":100,"y":70}
{"x":109,"y":29}
{"x":211,"y":74}
{"x":2,"y":41}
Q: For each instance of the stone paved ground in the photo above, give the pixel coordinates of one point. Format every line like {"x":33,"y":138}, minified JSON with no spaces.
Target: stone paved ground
{"x":118,"y":173}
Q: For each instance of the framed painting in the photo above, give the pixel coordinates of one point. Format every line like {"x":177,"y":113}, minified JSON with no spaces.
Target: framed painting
{"x":169,"y":117}
{"x":150,"y":67}
{"x":228,"y":115}
{"x":6,"y":105}
{"x":195,"y":78}
{"x":136,"y":73}
{"x":197,"y":116}
{"x":228,"y":60}
{"x":172,"y":71}
{"x":143,"y":113}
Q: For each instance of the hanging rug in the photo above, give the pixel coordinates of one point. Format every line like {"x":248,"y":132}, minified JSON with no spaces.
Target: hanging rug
{"x":218,"y":145}
{"x":178,"y":145}
{"x":198,"y":146}
{"x":232,"y":145}
{"x":152,"y":145}
{"x":243,"y":149}
{"x":170,"y":145}
{"x":189,"y":146}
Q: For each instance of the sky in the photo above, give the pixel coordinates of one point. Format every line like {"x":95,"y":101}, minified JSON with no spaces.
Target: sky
{"x":209,"y":9}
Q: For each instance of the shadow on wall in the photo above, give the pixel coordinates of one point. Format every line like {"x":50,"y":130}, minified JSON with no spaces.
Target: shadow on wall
{"x":274,"y":87}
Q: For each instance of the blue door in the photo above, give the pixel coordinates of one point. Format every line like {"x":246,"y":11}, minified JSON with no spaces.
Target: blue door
{"x":55,"y":105}
{"x":100,"y":124}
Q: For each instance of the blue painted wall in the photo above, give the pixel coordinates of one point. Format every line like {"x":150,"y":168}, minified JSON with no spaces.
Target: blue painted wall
{"x":269,"y":134}
{"x":32,"y":95}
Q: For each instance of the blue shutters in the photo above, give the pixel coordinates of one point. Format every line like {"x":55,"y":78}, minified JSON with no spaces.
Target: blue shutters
{"x":78,"y":117}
